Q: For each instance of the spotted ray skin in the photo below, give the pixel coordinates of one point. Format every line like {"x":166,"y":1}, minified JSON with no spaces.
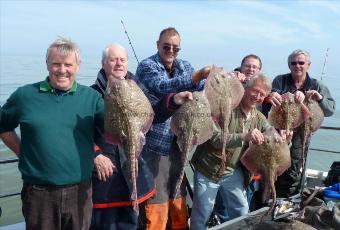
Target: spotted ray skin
{"x":314,"y":121}
{"x":224,"y":93}
{"x":128,"y":116}
{"x":193,"y":125}
{"x":311,"y":124}
{"x":270,"y":159}
{"x":289,"y":115}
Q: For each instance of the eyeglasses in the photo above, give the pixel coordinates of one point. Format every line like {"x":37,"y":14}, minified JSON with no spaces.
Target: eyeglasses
{"x":251,"y":67}
{"x":167,"y":48}
{"x":297,"y":62}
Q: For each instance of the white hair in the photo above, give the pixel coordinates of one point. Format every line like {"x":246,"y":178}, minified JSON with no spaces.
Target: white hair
{"x":106,"y":51}
{"x":65,"y":47}
{"x":298,"y":52}
{"x":259,"y":78}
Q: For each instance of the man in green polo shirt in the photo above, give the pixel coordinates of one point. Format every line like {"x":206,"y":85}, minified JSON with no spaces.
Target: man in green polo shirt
{"x":58,"y":119}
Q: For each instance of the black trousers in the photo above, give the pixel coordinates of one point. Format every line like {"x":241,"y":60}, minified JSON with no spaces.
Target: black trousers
{"x":289,"y":183}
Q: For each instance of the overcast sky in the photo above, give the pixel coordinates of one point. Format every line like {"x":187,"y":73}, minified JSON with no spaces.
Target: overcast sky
{"x":212,"y":32}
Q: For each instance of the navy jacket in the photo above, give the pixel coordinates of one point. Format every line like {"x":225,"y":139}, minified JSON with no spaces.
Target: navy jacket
{"x":114,"y":192}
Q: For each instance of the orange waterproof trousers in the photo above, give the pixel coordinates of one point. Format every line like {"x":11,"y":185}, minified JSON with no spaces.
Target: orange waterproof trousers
{"x":157,"y":214}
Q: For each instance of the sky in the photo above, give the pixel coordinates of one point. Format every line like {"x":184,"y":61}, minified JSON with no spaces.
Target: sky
{"x":212,"y":32}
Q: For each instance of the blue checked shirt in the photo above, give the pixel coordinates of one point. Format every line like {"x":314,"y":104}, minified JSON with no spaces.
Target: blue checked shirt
{"x":152,"y":73}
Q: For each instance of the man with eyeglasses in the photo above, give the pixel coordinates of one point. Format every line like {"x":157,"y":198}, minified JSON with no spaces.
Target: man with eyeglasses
{"x":246,"y":124}
{"x":250,"y":66}
{"x":164,"y":73}
{"x":302,"y":86}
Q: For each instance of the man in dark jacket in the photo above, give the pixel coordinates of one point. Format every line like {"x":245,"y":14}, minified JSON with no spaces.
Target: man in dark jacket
{"x":301,"y":85}
{"x":111,"y":196}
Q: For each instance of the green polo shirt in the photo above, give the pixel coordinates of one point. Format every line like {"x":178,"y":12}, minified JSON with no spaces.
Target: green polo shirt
{"x":207,"y":158}
{"x":57,"y":131}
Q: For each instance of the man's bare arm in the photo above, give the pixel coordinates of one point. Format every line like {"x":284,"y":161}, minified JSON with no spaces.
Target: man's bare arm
{"x":12,"y":141}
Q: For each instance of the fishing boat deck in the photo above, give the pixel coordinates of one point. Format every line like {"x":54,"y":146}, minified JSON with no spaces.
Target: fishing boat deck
{"x":237,"y":221}
{"x":255,"y":220}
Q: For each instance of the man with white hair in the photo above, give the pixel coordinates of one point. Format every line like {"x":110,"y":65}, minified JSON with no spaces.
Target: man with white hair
{"x":111,"y":196}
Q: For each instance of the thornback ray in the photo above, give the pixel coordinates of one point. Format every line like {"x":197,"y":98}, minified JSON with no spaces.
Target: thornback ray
{"x":310,"y":125}
{"x":128,"y":116}
{"x":193,"y":125}
{"x":270,"y":159}
{"x":224,"y":92}
{"x":289,"y":115}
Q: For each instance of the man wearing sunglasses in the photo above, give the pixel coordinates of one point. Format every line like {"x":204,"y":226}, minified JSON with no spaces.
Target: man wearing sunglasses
{"x":164,"y":73}
{"x":302,"y":86}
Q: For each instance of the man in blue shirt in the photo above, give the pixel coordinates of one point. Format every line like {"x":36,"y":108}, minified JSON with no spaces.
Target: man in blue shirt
{"x":164,"y":73}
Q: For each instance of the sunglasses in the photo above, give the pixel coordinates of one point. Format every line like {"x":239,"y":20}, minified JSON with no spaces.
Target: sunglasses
{"x":167,"y":48}
{"x":297,"y":62}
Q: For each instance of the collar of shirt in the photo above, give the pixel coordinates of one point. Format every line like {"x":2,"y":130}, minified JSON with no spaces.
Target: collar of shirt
{"x":246,"y":120}
{"x":173,"y":67}
{"x":307,"y":84}
{"x":101,"y":80}
{"x":46,"y":87}
{"x":245,"y":116}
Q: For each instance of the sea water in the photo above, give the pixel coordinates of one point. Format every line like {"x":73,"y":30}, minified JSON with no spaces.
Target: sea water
{"x":16,"y":71}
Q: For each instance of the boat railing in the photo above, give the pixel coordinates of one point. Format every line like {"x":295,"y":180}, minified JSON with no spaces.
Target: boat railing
{"x":8,"y":161}
{"x":14,"y":159}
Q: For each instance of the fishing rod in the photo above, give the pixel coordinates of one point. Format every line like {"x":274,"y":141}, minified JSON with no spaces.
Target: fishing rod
{"x":129,"y":40}
{"x":324,"y":64}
